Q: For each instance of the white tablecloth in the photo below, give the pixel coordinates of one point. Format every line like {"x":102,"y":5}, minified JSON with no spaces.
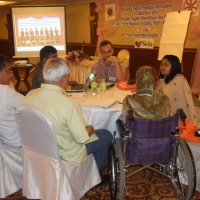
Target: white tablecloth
{"x":80,"y":71}
{"x":100,"y":117}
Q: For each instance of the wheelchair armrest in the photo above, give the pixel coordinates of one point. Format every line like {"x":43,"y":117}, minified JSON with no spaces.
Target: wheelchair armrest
{"x":121,"y":126}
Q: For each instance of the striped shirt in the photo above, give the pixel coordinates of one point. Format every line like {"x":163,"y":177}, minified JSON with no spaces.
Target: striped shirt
{"x":37,"y":78}
{"x":9,"y":101}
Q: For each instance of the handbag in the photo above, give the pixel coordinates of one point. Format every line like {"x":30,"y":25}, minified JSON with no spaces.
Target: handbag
{"x":187,"y":132}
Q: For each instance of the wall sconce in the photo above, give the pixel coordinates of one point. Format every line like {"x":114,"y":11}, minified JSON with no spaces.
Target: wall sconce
{"x":92,"y":22}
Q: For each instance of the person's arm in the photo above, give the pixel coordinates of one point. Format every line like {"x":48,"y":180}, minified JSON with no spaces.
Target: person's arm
{"x":13,"y":98}
{"x":77,"y":125}
{"x":90,"y":129}
{"x":119,"y":72}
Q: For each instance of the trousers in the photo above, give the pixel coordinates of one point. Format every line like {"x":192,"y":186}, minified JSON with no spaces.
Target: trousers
{"x":100,"y":147}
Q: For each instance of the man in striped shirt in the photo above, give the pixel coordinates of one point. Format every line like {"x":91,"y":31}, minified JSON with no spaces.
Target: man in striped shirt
{"x":9,"y":101}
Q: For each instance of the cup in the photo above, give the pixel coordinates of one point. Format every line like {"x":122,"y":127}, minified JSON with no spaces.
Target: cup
{"x":103,"y":94}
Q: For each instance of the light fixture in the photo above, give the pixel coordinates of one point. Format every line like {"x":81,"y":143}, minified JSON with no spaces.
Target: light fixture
{"x":92,"y":22}
{"x":3,"y":3}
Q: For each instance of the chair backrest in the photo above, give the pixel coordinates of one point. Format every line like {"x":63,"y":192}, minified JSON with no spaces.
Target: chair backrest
{"x":124,"y":55}
{"x":151,"y":140}
{"x":45,"y":175}
{"x":36,"y":131}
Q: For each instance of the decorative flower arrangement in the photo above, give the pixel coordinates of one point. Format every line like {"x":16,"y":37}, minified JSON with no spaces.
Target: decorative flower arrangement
{"x":75,"y":56}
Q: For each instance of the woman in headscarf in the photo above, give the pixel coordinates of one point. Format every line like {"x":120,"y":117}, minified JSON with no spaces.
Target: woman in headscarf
{"x":149,"y":102}
{"x":176,"y":87}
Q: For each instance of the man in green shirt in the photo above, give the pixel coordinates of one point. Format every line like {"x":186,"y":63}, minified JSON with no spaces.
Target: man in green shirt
{"x":75,"y":138}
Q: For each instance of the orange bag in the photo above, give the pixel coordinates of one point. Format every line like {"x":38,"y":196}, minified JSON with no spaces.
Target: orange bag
{"x":123,"y":85}
{"x":187,"y":133}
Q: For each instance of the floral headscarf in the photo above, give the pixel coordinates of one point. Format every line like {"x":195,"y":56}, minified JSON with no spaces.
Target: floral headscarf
{"x":149,"y":102}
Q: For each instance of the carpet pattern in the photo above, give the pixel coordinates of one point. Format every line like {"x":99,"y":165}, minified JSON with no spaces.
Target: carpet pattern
{"x":146,"y":185}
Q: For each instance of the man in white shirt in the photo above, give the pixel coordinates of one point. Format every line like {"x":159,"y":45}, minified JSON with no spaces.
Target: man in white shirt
{"x":9,"y":101}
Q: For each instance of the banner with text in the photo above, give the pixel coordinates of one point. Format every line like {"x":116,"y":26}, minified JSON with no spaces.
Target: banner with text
{"x":138,"y":22}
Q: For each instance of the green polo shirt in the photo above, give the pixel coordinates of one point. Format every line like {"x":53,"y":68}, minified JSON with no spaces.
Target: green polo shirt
{"x":67,"y":118}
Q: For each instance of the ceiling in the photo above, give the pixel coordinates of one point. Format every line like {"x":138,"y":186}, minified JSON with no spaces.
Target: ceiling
{"x":44,"y":2}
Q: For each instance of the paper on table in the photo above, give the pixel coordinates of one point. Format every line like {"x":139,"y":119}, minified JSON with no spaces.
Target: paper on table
{"x":174,"y":33}
{"x":98,"y":102}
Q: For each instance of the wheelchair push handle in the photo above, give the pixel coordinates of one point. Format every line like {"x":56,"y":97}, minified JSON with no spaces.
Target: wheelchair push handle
{"x":182,"y":115}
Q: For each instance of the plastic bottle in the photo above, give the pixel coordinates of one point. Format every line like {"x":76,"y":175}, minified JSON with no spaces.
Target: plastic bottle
{"x":103,"y":89}
{"x":93,"y":87}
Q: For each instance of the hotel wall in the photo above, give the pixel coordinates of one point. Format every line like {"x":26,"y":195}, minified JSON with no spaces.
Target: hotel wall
{"x":3,"y":20}
{"x":78,"y":26}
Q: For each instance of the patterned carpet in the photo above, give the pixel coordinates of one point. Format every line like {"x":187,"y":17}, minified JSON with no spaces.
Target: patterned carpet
{"x":146,"y":185}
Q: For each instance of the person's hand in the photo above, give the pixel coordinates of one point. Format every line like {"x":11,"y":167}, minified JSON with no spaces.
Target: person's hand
{"x":110,"y":60}
{"x":90,"y":129}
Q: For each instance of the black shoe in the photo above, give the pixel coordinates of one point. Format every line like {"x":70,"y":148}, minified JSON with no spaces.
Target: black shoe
{"x":104,"y":180}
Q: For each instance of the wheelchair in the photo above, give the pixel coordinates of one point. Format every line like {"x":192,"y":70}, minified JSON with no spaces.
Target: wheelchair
{"x":154,"y":145}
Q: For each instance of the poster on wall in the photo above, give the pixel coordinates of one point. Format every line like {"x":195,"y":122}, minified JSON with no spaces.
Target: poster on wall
{"x":110,"y":12}
{"x":191,"y":5}
{"x":142,"y":19}
{"x":132,"y":22}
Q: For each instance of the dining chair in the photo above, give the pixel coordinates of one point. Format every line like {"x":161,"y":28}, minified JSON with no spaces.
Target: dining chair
{"x":46,"y":176}
{"x":125,"y":56}
{"x":10,"y":170}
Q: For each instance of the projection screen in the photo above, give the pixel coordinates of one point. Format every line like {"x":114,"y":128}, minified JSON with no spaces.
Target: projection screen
{"x":37,"y":26}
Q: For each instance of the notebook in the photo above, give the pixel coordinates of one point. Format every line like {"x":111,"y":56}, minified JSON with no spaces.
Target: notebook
{"x":75,"y":88}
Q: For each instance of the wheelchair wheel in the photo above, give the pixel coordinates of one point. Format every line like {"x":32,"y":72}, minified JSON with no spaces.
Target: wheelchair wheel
{"x":183,"y":171}
{"x":116,"y":171}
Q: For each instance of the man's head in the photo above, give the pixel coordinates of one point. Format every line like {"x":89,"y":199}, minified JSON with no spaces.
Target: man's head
{"x":5,"y":70}
{"x":56,"y":72}
{"x":106,"y":49}
{"x":48,"y":52}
